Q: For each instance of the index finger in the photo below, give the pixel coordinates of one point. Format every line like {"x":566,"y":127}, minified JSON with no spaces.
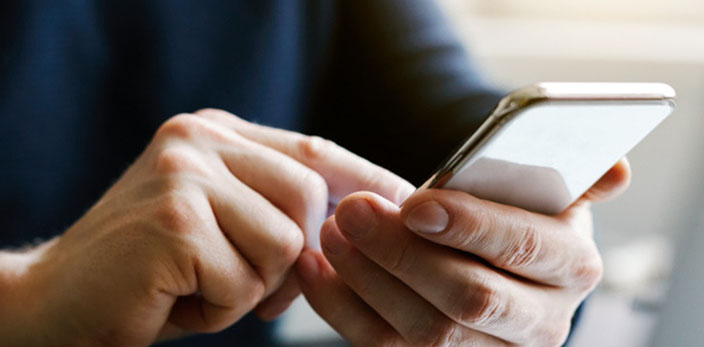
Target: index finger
{"x":343,"y":171}
{"x":612,"y":184}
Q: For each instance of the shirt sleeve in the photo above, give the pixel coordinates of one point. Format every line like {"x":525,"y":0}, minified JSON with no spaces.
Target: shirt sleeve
{"x":401,"y":89}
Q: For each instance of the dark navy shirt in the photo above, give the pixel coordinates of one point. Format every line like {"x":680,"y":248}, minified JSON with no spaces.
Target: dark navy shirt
{"x":84,"y":85}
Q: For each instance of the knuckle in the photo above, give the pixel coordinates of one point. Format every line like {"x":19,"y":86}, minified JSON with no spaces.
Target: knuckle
{"x":184,"y":126}
{"x":221,"y":117}
{"x":588,"y":272}
{"x":284,"y":248}
{"x":210,"y":111}
{"x":289,"y":247}
{"x":308,"y":201}
{"x":175,"y":212}
{"x":442,"y":332}
{"x":314,"y":190}
{"x":193,"y":128}
{"x":253,"y":295}
{"x":482,"y":307}
{"x":313,"y":148}
{"x":177,"y":159}
{"x":523,"y":251}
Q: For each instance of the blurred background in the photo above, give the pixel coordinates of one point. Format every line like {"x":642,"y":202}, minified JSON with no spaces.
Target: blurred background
{"x":518,"y":43}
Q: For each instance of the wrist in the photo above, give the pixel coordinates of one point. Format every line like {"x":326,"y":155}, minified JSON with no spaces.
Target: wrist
{"x":19,"y":302}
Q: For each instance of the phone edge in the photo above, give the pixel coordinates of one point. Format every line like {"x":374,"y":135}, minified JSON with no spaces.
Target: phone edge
{"x":539,"y":92}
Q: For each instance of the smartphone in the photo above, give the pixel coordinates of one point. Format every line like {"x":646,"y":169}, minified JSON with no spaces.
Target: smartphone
{"x":544,"y":145}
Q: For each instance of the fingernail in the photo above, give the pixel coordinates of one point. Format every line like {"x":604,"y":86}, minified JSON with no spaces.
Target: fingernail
{"x":307,"y":266}
{"x":356,"y":218}
{"x":428,"y":217}
{"x":333,"y":242}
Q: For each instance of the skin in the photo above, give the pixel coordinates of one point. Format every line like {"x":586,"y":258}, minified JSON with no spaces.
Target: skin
{"x":203,"y":228}
{"x":487,"y":274}
{"x":207,"y":223}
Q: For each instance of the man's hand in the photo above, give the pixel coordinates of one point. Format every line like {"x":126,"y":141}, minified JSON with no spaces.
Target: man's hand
{"x":450,"y":269}
{"x":203,"y":227}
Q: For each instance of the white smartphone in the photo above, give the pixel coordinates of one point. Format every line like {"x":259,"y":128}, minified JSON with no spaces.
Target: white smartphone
{"x":544,"y":145}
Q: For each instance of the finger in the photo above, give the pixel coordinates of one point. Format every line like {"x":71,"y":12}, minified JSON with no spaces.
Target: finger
{"x":541,"y":248}
{"x":269,"y":240}
{"x":221,"y":286}
{"x":255,"y":225}
{"x":344,"y":171}
{"x":338,"y":305}
{"x":416,"y":319}
{"x":293,"y":188}
{"x":457,"y":284}
{"x":273,"y":306}
{"x":612,"y":184}
{"x":296,"y":190}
